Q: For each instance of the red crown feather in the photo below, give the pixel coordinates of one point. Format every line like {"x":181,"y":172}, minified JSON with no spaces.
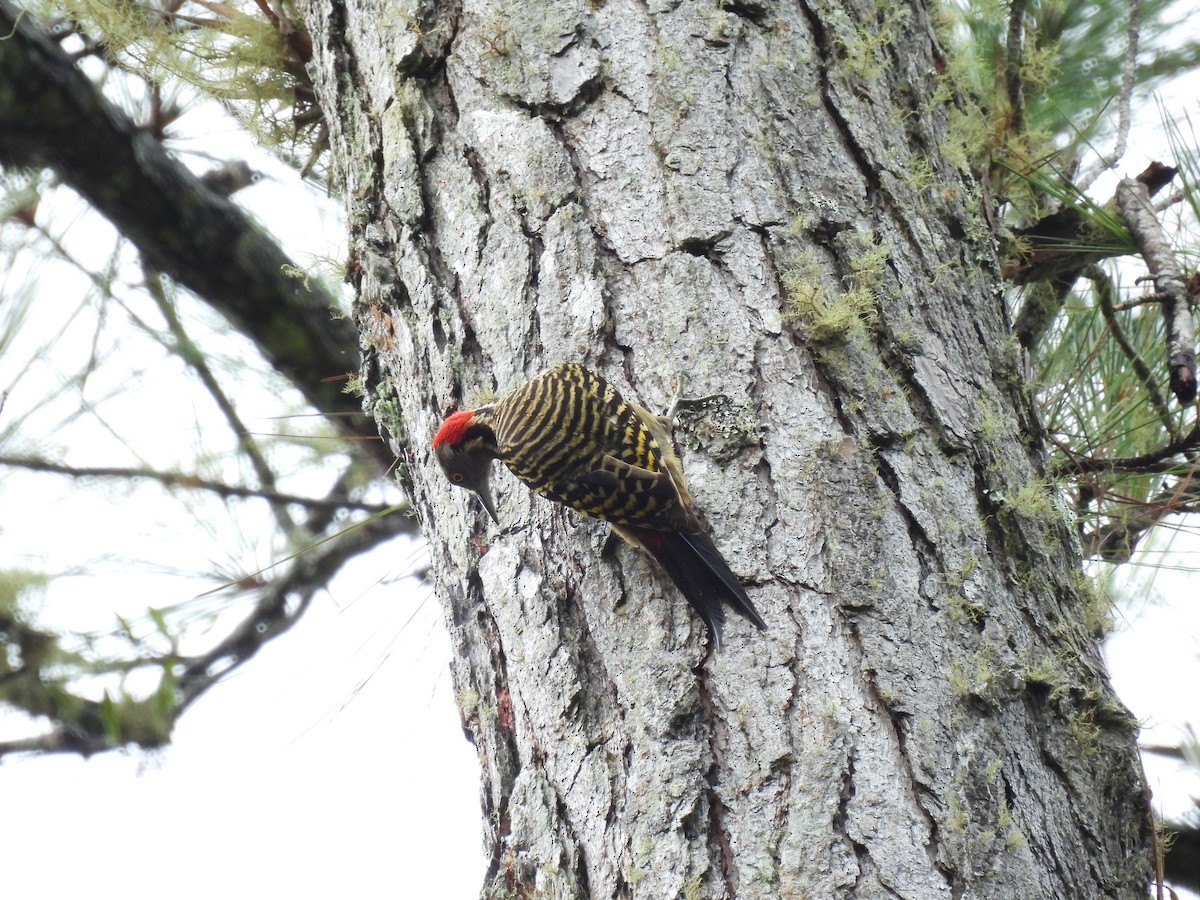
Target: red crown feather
{"x":454,"y":429}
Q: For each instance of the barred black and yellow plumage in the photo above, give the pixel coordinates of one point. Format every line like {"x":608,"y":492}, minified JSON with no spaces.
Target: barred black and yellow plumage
{"x":570,"y":436}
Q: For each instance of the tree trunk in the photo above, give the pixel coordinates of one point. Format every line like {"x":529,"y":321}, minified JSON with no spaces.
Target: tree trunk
{"x":752,"y":201}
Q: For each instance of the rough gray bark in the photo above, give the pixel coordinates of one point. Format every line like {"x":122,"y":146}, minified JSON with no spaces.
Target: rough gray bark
{"x":750,"y":198}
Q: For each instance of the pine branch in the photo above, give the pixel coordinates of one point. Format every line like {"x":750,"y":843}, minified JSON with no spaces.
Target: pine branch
{"x":1124,"y":98}
{"x":194,"y":235}
{"x":1012,"y":65}
{"x":283,"y":601}
{"x":1105,"y":293}
{"x":1133,"y":199}
{"x":85,"y":726}
{"x":1147,"y":463}
{"x":192,"y":482}
{"x":1115,"y":541}
{"x":198,"y":363}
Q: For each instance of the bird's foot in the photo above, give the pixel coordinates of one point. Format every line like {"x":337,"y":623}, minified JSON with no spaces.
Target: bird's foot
{"x":668,"y":417}
{"x":679,"y":402}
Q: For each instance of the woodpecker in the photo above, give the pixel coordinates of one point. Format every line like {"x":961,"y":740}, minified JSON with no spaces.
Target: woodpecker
{"x":571,"y":437}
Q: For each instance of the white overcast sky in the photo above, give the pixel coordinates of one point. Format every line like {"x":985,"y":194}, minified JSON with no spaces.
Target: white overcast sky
{"x":283,"y":781}
{"x":333,"y":763}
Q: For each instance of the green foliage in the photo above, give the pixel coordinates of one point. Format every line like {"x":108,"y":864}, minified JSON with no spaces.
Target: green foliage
{"x":1103,"y":395}
{"x":41,"y":674}
{"x":1028,"y":117}
{"x":1042,"y":118}
{"x":252,"y":63}
{"x":23,"y":644}
{"x":1106,"y":233}
{"x":1072,"y":62}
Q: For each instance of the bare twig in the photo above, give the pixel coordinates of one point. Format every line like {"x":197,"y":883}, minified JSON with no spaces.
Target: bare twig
{"x":190,"y":482}
{"x":1172,"y":199}
{"x":279,"y":606}
{"x":198,"y":362}
{"x":1133,"y":199}
{"x":1128,"y":79}
{"x":1168,"y":750}
{"x":283,"y":601}
{"x":1124,"y":98}
{"x":1115,"y":541}
{"x":1155,"y":297}
{"x":1105,"y":291}
{"x":1012,"y":65}
{"x":1155,"y":461}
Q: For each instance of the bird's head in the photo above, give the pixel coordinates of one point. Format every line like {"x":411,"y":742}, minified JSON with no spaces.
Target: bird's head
{"x":465,"y":446}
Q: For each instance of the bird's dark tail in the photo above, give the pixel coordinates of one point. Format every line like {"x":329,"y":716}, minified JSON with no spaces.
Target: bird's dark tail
{"x":700,"y":573}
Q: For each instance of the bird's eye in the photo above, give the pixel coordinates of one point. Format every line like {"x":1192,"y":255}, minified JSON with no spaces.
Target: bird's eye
{"x":457,"y":477}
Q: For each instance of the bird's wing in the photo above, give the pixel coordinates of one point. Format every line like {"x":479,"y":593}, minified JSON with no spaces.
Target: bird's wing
{"x":614,"y":472}
{"x":659,"y":430}
{"x":622,"y":492}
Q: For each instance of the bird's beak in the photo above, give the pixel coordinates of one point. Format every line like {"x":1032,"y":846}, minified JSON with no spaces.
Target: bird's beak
{"x":485,"y":497}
